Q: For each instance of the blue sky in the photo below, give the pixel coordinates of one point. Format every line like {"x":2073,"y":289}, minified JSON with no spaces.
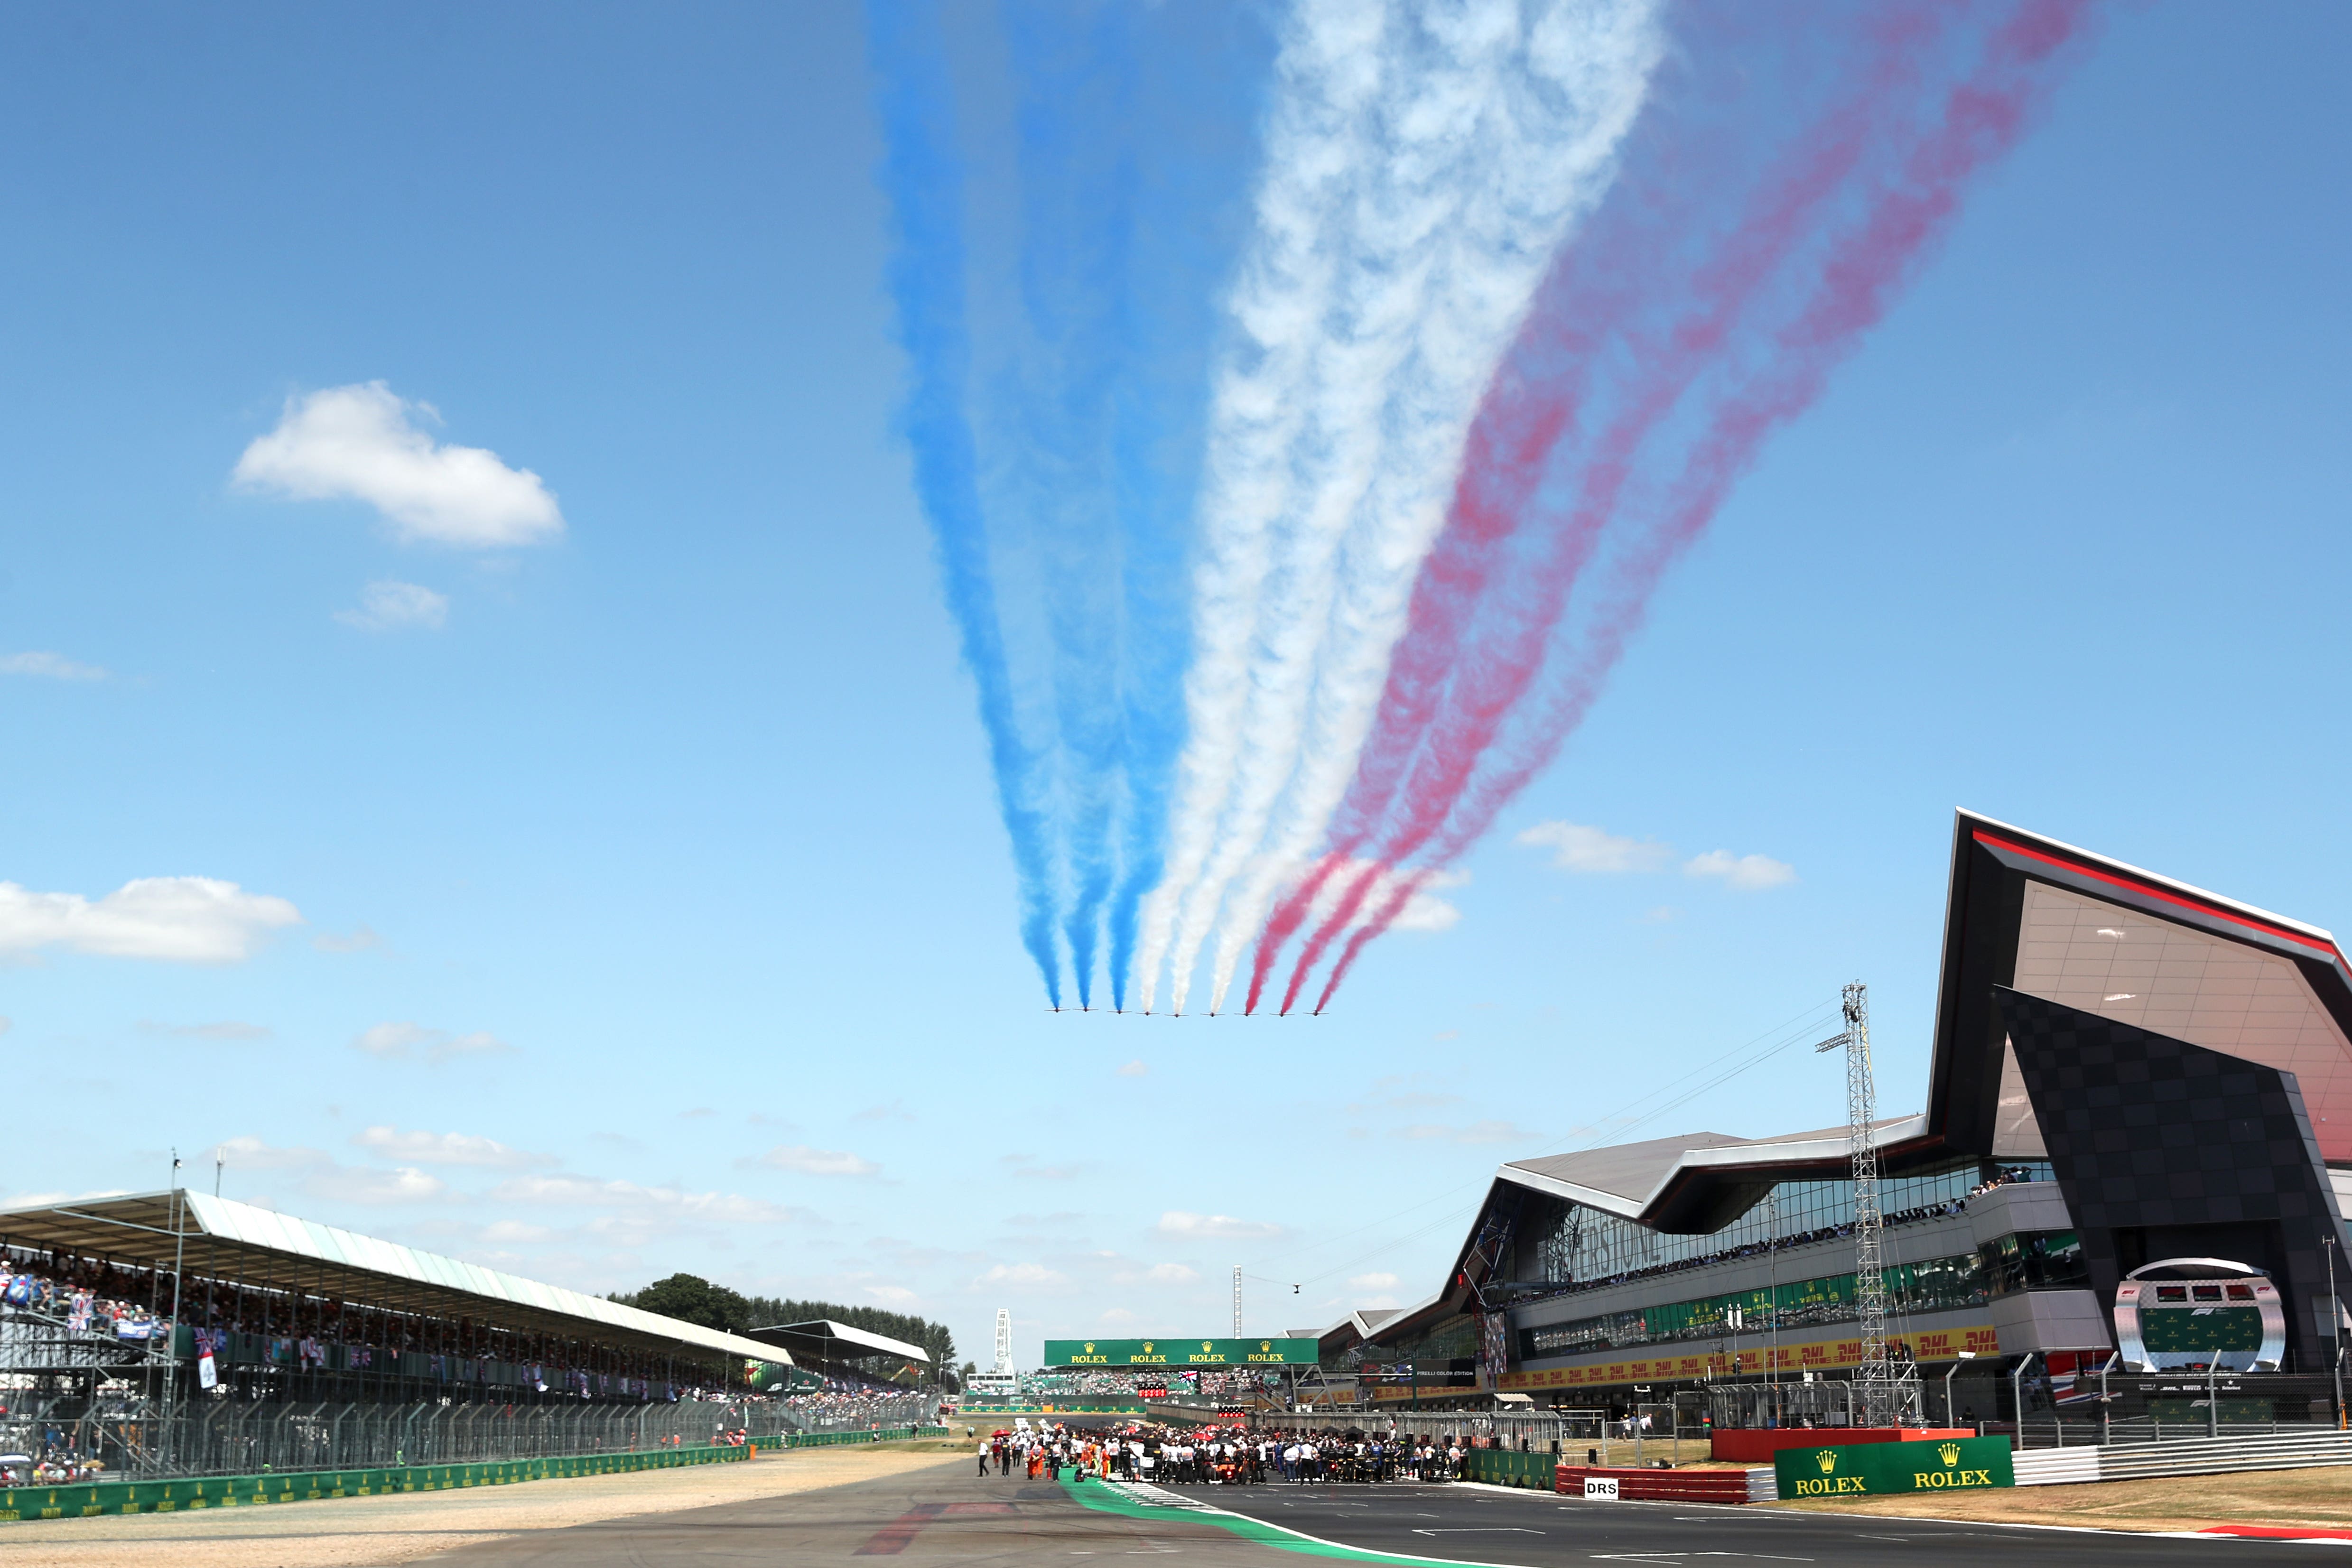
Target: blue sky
{"x":661,"y":855}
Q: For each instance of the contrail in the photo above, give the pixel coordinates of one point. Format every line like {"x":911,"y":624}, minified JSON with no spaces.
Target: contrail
{"x":1916,"y":195}
{"x":926,"y":278}
{"x":1062,"y":403}
{"x":1453,"y":683}
{"x":1423,"y":166}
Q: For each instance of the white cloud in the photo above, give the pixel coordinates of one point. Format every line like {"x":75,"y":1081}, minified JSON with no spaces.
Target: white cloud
{"x":1035,"y":1276}
{"x":1576,"y":847}
{"x":360,"y":940}
{"x":228,"y":1028}
{"x":1374,"y":1281}
{"x":1746,"y":872}
{"x":250,"y":1154}
{"x":1116,"y":1316}
{"x":515,"y":1232}
{"x":1177,"y":1222}
{"x":628,"y":1199}
{"x":183,"y":919}
{"x":446,"y":1149}
{"x":49,"y":667}
{"x":1424,"y":911}
{"x":360,"y":442}
{"x":1027,"y":1166}
{"x":893,"y":1295}
{"x":6,"y":1024}
{"x":351,"y":1183}
{"x":1170,"y":1274}
{"x":810,"y":1161}
{"x":1136,"y":1068}
{"x":388,"y":606}
{"x":399,"y":1041}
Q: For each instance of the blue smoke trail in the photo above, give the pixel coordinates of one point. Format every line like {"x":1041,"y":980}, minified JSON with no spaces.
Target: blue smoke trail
{"x":1075,"y":77}
{"x":1136,"y":126}
{"x":925,"y":276}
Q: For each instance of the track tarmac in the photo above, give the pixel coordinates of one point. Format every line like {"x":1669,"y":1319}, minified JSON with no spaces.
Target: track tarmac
{"x":947,"y":1515}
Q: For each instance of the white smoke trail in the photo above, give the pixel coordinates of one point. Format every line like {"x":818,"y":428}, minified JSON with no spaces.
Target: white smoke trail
{"x":1424,"y":165}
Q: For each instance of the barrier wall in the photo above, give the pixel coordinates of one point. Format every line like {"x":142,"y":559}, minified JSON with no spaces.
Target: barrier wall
{"x":89,"y":1498}
{"x":1659,"y":1486}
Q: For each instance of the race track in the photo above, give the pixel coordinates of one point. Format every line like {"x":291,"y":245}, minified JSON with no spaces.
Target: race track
{"x":947,"y":1515}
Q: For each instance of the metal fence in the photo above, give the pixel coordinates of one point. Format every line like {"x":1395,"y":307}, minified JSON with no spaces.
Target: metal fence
{"x":913,"y":1410}
{"x":240,"y":1438}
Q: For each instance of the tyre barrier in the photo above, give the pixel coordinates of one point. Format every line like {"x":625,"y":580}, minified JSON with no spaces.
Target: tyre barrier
{"x":85,"y":1500}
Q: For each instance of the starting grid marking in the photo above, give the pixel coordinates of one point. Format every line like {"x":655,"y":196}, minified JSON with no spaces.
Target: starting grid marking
{"x":1151,"y":1496}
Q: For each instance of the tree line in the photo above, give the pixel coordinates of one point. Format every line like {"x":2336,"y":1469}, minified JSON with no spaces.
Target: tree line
{"x":691,"y":1299}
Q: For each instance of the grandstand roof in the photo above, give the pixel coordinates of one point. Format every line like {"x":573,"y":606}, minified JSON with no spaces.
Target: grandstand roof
{"x":1692,"y":1180}
{"x":826,"y":1340}
{"x":224,"y":1240}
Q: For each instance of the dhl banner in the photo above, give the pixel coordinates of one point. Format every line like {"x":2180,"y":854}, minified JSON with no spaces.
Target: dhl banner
{"x":1816,"y":1355}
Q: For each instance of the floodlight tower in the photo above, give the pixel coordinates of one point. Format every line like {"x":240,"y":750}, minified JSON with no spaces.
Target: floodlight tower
{"x":1237,"y":1300}
{"x":1882,"y":1398}
{"x":1003,"y":1339}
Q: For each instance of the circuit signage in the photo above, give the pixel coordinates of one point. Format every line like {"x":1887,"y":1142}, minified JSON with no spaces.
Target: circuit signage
{"x":1875,"y":1470}
{"x":1181,"y":1352}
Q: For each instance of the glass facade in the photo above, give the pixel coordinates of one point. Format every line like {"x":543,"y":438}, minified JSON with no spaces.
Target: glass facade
{"x":1451,"y":1338}
{"x":1571,"y":1246}
{"x":1930,"y":1285}
{"x":2034,"y":1261}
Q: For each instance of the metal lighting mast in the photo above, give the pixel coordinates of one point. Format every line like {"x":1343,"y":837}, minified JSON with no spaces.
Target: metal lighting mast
{"x":1005,"y":1339}
{"x":1237,"y":1300}
{"x":1882,"y":1398}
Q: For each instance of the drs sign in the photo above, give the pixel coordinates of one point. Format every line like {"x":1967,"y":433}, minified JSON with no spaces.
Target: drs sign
{"x":1877,"y":1469}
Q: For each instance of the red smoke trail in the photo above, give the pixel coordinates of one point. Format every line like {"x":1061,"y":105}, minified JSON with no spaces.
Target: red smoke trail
{"x":1981,"y":119}
{"x":1592,"y":290}
{"x":1503,"y":461}
{"x":1337,"y":922}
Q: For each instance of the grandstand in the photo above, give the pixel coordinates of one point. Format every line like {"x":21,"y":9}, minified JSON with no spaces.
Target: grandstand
{"x":133,"y":1325}
{"x":845,"y":1376}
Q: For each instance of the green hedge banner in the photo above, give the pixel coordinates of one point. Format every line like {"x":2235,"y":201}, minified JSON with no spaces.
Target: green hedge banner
{"x":1877,"y":1469}
{"x":1509,"y":1467}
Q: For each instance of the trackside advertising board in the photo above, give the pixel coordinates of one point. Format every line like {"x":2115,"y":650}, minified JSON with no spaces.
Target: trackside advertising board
{"x":1877,"y":1469}
{"x":1181,"y":1352}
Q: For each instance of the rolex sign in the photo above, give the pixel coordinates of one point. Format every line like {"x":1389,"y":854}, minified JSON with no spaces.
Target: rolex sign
{"x":1877,"y":1469}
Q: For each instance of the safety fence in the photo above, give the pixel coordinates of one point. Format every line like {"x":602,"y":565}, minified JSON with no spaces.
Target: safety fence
{"x":90,"y":1499}
{"x":1047,"y":1405}
{"x":844,"y":1439}
{"x":906,"y":1412}
{"x":2205,"y":1456}
{"x":237,"y":1437}
{"x":1592,"y":1435}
